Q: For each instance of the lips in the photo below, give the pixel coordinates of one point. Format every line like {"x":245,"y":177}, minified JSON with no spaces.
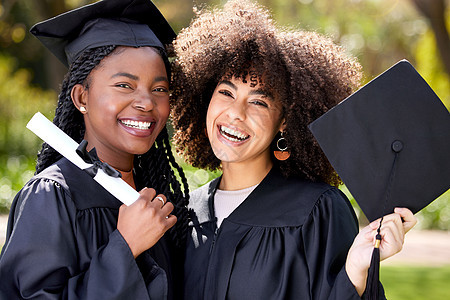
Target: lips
{"x":139,"y":128}
{"x":232,"y":134}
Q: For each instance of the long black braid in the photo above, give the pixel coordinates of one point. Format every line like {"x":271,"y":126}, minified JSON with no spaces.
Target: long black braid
{"x":153,"y":169}
{"x":164,"y":181}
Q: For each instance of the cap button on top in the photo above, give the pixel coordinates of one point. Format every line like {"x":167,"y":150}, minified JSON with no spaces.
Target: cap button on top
{"x":397,"y":146}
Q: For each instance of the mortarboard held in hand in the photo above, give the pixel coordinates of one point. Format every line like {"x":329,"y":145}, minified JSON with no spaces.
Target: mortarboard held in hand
{"x":390,"y":143}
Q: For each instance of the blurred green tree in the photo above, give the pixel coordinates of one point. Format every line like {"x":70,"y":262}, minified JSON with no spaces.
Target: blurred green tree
{"x":19,"y":100}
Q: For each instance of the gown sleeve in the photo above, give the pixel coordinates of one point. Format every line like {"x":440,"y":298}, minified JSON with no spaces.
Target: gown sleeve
{"x":40,"y":259}
{"x":328,"y":234}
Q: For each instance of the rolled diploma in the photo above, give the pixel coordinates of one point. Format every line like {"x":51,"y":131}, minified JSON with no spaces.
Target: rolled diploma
{"x":66,"y":146}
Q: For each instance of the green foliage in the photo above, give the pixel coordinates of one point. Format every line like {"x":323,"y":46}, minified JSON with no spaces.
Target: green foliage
{"x":430,"y":67}
{"x":18,"y":146}
{"x":18,"y":102}
{"x":14,"y":173}
{"x":414,"y":283}
{"x":436,"y":215}
{"x":196,"y":177}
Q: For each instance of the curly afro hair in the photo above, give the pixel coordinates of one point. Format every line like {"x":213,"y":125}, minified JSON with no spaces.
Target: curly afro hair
{"x":306,"y":71}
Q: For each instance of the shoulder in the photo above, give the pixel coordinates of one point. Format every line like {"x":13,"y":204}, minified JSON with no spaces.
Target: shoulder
{"x":203,"y":193}
{"x":280,"y":201}
{"x":43,"y":193}
{"x":199,"y":201}
{"x":311,"y":198}
{"x":46,"y":182}
{"x":76,"y":184}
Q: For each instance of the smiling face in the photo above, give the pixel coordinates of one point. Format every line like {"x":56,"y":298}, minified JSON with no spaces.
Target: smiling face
{"x":242,"y":121}
{"x":127,"y":104}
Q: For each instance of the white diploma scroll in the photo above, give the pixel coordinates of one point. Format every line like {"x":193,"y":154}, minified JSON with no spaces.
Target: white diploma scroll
{"x":66,"y":146}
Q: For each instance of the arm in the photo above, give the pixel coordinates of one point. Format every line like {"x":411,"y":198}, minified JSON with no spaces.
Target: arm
{"x":328,"y":234}
{"x":392,"y":232}
{"x":42,"y":257}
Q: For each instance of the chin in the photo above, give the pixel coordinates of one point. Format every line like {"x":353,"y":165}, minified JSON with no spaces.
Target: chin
{"x":225,"y":156}
{"x":140,"y":149}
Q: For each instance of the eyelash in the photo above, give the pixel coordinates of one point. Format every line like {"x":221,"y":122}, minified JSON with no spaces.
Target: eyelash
{"x":226,"y":93}
{"x":256,"y":102}
{"x":127,"y":86}
{"x":123,"y":85}
{"x":161,"y":90}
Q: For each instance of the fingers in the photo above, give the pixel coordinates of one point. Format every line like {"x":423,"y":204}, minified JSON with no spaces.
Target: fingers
{"x":409,"y":220}
{"x":148,"y":195}
{"x":171,"y":220}
{"x":392,"y":225}
{"x":160,"y":198}
{"x":393,"y":229}
{"x":166,"y":207}
{"x":145,"y":221}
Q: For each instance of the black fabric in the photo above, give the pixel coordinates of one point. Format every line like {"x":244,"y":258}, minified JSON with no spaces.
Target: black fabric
{"x":389,"y":142}
{"x":288,"y":240}
{"x":62,"y":243}
{"x":133,"y":23}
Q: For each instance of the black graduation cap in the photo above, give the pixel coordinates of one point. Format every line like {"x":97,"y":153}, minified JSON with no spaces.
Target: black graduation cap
{"x":133,"y":23}
{"x":389,"y":142}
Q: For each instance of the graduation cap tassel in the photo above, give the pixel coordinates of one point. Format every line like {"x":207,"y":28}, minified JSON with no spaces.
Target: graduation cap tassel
{"x":373,"y":276}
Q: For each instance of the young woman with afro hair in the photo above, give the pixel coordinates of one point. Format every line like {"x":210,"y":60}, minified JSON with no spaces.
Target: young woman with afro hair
{"x":268,"y":228}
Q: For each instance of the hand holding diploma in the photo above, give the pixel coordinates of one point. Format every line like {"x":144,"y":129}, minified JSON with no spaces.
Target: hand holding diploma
{"x":144,"y":222}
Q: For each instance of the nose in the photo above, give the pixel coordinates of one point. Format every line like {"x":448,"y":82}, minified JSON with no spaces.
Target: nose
{"x":236,"y":110}
{"x":143,"y":102}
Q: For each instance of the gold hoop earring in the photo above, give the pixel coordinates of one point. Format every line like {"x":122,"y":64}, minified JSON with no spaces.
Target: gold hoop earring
{"x":281,"y":153}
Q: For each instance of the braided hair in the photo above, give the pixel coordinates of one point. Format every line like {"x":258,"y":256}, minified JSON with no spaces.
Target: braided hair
{"x":152,"y":169}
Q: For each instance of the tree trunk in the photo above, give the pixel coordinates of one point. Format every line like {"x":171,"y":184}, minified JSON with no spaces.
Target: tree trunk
{"x":434,"y":11}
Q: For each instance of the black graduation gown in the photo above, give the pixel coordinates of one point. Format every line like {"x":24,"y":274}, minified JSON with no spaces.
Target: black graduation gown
{"x":288,"y":240}
{"x":62,"y":243}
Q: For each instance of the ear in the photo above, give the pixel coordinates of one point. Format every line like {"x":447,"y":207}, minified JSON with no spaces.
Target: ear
{"x":283,"y":125}
{"x":79,"y":97}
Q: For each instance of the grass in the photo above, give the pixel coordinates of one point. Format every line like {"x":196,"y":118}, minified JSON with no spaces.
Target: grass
{"x":411,"y":283}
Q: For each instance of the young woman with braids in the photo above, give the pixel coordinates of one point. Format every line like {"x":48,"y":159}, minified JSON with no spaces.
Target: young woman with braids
{"x":67,"y":237}
{"x":271,"y":227}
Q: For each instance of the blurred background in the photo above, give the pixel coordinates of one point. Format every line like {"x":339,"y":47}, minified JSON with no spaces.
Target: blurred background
{"x":378,"y":32}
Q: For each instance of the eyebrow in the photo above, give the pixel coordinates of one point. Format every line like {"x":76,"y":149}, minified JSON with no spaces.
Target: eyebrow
{"x":124,"y":74}
{"x":161,"y":78}
{"x":134,"y":77}
{"x":229,"y":83}
{"x":260,"y":92}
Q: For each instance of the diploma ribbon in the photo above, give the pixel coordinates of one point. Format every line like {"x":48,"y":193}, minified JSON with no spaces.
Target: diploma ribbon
{"x":90,"y":157}
{"x":77,"y":154}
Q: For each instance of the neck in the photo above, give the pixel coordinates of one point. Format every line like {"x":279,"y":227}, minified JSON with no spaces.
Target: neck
{"x":123,"y":165}
{"x":119,"y":161}
{"x":238,"y":176}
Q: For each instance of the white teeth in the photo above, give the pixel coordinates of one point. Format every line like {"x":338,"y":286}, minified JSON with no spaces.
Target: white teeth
{"x":236,"y":136}
{"x":136,"y":124}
